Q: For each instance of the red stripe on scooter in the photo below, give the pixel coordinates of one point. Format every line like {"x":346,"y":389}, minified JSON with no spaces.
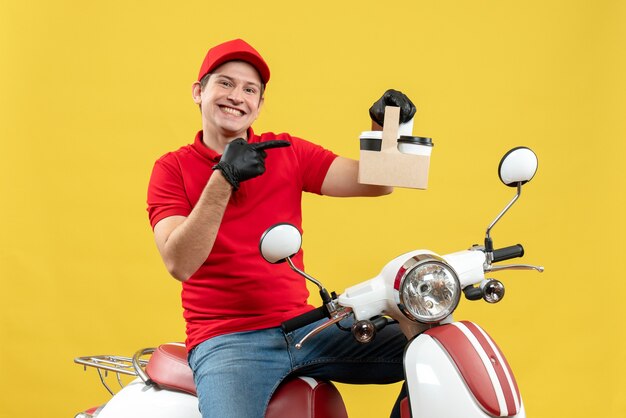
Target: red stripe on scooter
{"x":399,"y":275}
{"x":469,"y":364}
{"x":510,"y":392}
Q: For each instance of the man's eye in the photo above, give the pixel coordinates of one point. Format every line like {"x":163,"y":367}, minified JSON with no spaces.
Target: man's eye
{"x":250,"y":90}
{"x":225,"y":83}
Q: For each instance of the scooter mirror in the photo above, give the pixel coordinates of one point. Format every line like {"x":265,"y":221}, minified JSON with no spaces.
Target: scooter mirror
{"x":279,"y":242}
{"x":518,"y":166}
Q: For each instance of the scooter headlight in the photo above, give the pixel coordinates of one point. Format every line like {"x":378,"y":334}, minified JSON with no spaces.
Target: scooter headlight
{"x":427,"y":289}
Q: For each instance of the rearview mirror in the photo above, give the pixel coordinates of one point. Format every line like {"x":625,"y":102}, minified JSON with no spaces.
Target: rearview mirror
{"x":279,"y":242}
{"x":518,"y":166}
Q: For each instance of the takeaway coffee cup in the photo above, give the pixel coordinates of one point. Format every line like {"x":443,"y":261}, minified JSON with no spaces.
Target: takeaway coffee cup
{"x":371,"y":140}
{"x":415,"y":145}
{"x":406,"y":128}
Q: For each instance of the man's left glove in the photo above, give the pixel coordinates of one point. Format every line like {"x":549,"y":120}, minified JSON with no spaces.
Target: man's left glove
{"x":392,"y":98}
{"x":242,"y":161}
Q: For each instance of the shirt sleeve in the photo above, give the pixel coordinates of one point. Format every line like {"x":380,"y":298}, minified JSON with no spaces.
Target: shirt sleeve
{"x":314,"y":161}
{"x":166,"y":191}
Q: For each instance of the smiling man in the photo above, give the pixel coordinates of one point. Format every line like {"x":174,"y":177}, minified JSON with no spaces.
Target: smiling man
{"x":209,"y":203}
{"x":230,"y":99}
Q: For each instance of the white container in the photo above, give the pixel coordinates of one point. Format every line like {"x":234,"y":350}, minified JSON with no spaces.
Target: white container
{"x":371,"y":140}
{"x":415,"y":145}
{"x":406,"y":128}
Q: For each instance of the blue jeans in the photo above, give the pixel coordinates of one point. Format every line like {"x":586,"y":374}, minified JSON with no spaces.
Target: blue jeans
{"x":236,"y":374}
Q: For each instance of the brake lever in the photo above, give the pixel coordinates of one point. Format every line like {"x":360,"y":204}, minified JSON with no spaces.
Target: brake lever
{"x":513,"y":267}
{"x":338,"y":315}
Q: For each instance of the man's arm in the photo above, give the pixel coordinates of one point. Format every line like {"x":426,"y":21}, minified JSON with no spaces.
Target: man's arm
{"x":185,"y":242}
{"x":342,"y":181}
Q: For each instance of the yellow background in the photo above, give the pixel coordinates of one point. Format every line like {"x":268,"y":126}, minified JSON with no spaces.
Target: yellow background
{"x":91,"y":93}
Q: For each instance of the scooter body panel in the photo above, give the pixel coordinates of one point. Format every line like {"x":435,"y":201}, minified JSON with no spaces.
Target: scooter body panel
{"x":448,"y":376}
{"x":136,"y":400}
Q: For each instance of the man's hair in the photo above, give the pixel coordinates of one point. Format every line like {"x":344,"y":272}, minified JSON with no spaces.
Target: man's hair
{"x":204,"y":81}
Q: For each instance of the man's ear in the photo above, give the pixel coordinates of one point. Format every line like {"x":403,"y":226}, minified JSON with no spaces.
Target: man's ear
{"x":196,"y":92}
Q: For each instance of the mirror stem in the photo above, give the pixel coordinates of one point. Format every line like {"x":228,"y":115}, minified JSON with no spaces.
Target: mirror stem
{"x":326,"y":298}
{"x":488,"y":240}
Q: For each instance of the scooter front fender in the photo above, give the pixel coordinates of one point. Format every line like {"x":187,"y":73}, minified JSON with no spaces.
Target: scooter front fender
{"x":136,"y":400}
{"x":457,"y":371}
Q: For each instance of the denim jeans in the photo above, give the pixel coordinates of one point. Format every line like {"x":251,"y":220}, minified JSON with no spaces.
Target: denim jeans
{"x":236,"y":374}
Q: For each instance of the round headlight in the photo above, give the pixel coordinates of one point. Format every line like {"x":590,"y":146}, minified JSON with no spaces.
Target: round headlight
{"x":427,"y":288}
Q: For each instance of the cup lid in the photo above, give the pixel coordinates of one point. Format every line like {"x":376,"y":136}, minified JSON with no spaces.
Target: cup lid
{"x":372,"y":134}
{"x":417,"y":140}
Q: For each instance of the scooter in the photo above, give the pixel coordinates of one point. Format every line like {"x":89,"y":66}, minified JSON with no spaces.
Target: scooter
{"x":452,"y":369}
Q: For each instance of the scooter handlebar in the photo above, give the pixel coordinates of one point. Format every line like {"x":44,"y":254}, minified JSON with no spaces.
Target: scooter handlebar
{"x":305,"y":319}
{"x":507,"y":253}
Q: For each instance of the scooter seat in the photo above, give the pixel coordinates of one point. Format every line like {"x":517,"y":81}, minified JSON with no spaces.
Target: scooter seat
{"x":304,"y":397}
{"x":168,"y":368}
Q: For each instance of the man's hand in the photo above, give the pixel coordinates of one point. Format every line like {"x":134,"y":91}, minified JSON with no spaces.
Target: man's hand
{"x":392,"y":98}
{"x":242,"y":161}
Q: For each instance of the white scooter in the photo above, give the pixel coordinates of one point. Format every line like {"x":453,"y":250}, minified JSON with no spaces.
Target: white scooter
{"x":452,"y":369}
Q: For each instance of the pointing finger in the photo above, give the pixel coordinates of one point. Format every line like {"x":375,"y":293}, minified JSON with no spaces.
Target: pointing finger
{"x":270,"y":144}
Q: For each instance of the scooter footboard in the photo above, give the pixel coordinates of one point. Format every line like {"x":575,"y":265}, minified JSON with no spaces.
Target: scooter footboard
{"x":457,"y":370}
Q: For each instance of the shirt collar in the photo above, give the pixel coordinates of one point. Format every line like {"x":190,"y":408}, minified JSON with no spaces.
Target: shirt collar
{"x":207,"y":152}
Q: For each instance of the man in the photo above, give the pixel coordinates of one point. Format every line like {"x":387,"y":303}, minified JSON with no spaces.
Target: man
{"x":209,"y":203}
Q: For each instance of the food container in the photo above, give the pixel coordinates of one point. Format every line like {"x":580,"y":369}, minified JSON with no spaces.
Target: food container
{"x":371,"y":140}
{"x":416,"y":145}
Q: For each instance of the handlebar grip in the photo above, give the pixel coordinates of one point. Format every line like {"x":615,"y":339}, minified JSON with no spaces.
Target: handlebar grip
{"x":305,"y":319}
{"x":507,"y":253}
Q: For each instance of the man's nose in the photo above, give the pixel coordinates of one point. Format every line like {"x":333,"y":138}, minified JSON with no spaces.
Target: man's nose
{"x":236,"y":95}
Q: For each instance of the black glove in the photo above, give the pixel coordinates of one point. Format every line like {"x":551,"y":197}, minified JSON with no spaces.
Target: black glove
{"x":392,"y":98}
{"x":242,"y":161}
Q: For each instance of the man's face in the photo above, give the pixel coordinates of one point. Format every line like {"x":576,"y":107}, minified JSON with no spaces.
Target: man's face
{"x":231,"y":100}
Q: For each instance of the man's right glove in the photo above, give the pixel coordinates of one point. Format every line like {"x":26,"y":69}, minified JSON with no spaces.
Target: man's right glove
{"x":392,"y":98}
{"x":242,"y":161}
